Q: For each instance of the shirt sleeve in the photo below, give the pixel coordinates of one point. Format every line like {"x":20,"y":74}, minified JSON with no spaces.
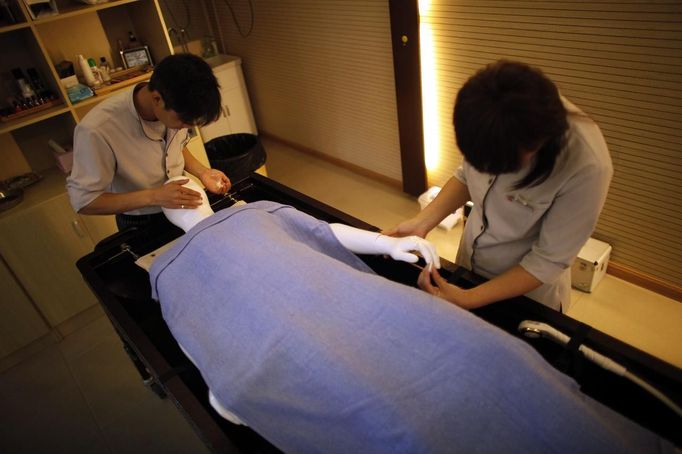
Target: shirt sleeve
{"x":568,"y":223}
{"x":94,"y":165}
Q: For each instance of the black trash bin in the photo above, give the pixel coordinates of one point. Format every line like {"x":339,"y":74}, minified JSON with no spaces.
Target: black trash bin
{"x":237,"y":155}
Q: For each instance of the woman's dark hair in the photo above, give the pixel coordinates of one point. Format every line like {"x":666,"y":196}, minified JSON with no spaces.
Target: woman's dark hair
{"x":505,"y":109}
{"x":187,"y":85}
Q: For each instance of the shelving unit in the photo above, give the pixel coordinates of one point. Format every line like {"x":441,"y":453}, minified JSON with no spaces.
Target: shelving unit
{"x":91,"y":30}
{"x":42,"y":236}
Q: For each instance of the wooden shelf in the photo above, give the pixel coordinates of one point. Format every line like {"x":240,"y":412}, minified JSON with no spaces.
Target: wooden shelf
{"x":114,"y":88}
{"x":43,"y":235}
{"x":11,"y":28}
{"x":72,"y":11}
{"x":52,"y":185}
{"x":33,"y":118}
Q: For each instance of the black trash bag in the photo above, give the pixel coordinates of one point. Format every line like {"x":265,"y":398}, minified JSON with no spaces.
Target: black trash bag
{"x":237,"y":155}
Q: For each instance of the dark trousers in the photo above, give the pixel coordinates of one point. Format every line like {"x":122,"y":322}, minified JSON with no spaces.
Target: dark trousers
{"x":141,"y":221}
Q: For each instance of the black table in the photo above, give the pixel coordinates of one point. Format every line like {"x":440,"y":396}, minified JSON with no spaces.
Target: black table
{"x":124,"y":291}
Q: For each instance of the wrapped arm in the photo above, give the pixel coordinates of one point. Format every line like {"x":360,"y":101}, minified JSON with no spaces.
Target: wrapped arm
{"x":365,"y":242}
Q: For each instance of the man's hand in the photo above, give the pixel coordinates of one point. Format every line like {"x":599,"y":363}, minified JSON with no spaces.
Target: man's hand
{"x":174,"y":195}
{"x":216,"y":181}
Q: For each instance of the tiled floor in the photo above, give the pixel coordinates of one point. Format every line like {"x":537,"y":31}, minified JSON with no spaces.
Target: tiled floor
{"x":83,"y":394}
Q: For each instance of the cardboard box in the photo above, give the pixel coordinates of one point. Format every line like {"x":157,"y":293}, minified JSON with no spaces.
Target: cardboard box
{"x":63,"y":155}
{"x":590,"y":265}
{"x":69,"y":82}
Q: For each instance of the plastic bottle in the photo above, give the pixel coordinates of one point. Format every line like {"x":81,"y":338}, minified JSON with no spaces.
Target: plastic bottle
{"x":132,"y":40}
{"x":95,"y":72}
{"x":24,"y":86}
{"x":104,"y":70}
{"x":87,"y":72}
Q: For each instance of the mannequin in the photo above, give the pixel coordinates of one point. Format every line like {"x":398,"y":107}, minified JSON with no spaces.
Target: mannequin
{"x":356,"y":240}
{"x":298,"y":338}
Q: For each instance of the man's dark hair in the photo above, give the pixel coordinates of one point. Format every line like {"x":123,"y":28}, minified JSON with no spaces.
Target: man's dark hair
{"x":505,"y":109}
{"x":187,"y":85}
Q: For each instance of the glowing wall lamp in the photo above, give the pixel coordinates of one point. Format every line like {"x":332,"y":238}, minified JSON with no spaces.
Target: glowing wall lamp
{"x":429,"y":89}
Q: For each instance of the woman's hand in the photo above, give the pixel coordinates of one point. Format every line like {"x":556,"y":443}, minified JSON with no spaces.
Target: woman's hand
{"x":414,"y":226}
{"x":215,"y":181}
{"x":442,"y":288}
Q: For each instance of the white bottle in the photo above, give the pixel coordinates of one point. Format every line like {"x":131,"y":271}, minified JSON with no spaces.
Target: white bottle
{"x":95,"y":72}
{"x":87,"y":72}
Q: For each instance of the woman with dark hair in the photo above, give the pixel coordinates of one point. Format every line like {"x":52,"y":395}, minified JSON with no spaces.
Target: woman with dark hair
{"x":129,"y":145}
{"x":537,"y":170}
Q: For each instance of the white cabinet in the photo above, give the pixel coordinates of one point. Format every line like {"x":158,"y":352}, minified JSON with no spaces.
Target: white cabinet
{"x":41,"y":245}
{"x":20,"y":323}
{"x":236,"y":115}
{"x":42,"y":237}
{"x":40,"y":241}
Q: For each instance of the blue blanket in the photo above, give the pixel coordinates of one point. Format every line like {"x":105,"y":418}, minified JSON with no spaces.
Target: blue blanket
{"x":302,"y":341}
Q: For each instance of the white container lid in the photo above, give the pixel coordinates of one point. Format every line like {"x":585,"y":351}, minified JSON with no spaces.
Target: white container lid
{"x":594,"y":250}
{"x":222,"y":59}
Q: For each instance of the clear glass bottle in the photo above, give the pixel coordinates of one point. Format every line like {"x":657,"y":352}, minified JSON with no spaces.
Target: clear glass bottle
{"x":132,"y":41}
{"x":24,"y":86}
{"x":209,"y":47}
{"x":104,"y":69}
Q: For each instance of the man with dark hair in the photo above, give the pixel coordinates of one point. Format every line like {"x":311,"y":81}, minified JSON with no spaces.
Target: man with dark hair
{"x":537,"y":170}
{"x":128,"y":146}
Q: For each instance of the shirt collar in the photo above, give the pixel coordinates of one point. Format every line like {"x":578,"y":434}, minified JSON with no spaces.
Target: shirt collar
{"x":146,"y":128}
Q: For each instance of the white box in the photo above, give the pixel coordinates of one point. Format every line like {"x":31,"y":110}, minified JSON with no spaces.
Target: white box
{"x":590,"y":265}
{"x":69,"y":82}
{"x":451,"y":219}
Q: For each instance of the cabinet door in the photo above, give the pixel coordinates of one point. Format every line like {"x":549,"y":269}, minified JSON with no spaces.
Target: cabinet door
{"x":20,"y":323}
{"x":236,"y":115}
{"x":238,"y":110}
{"x":41,"y":245}
{"x":99,"y":227}
{"x":220,"y":127}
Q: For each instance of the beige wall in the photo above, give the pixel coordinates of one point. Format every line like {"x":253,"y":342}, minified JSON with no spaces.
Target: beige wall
{"x":622,"y":64}
{"x":320,"y":75}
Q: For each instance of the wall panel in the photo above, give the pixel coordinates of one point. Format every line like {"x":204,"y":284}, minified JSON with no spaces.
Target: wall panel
{"x":621,"y":62}
{"x":320,"y":74}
